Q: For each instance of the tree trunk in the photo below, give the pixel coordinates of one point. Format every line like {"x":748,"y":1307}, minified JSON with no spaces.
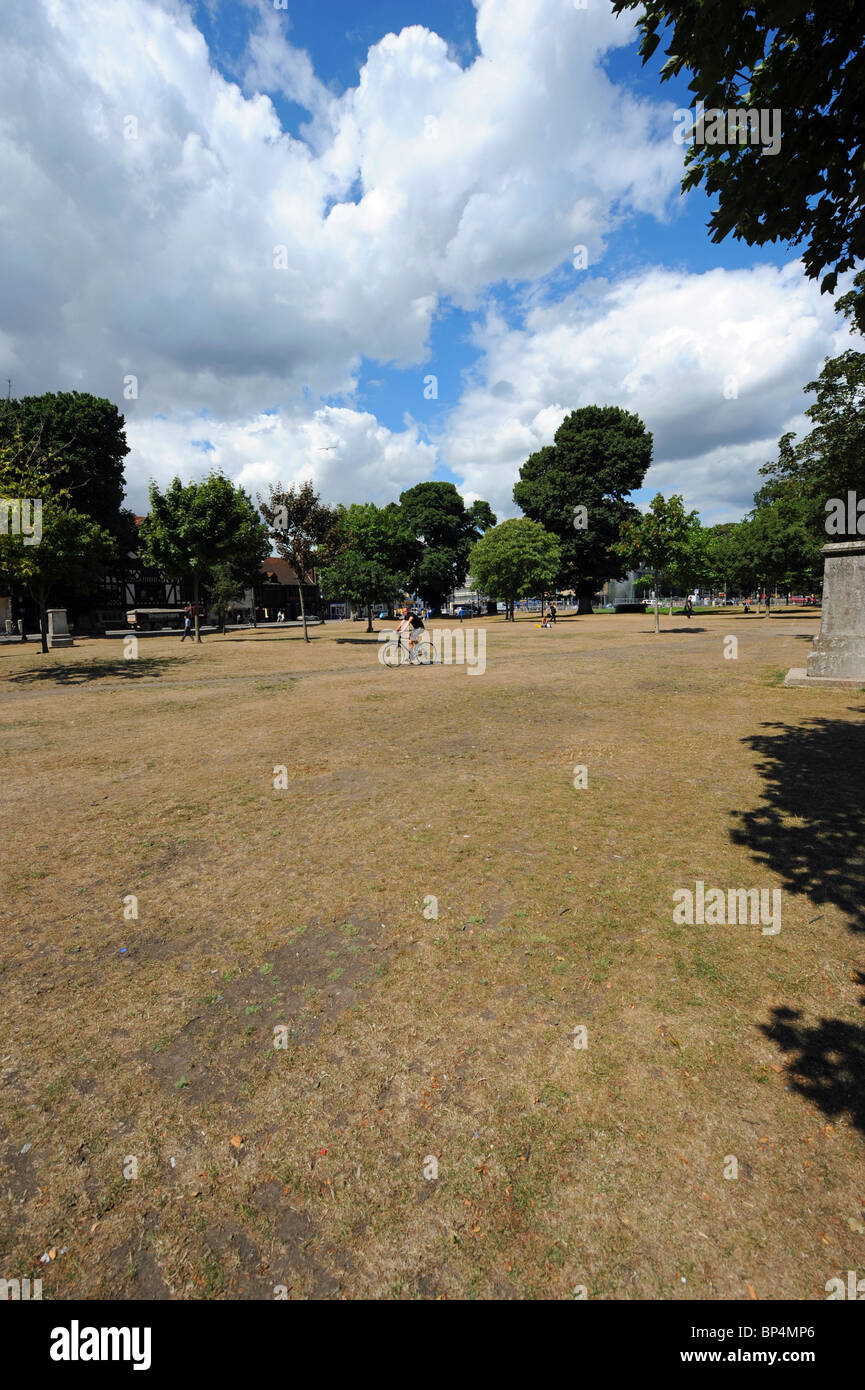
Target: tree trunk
{"x":655,"y":578}
{"x":369,"y":626}
{"x":303,"y":611}
{"x":43,"y":618}
{"x":584,"y":603}
{"x":196,"y":589}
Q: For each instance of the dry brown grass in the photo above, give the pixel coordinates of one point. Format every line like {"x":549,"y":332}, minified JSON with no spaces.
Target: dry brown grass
{"x":410,"y":1037}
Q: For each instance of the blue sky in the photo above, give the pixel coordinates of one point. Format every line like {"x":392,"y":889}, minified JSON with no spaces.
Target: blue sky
{"x":428,"y":171}
{"x":337,"y":36}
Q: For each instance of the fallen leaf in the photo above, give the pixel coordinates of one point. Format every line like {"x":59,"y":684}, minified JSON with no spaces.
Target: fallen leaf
{"x":236,"y":1140}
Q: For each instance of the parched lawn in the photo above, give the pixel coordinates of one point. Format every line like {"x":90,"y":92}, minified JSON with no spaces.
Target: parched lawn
{"x":156,"y":1143}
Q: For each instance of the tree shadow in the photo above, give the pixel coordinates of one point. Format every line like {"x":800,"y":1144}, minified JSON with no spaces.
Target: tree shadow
{"x":690,"y":627}
{"x":810,"y":829}
{"x":809,"y":832}
{"x":81,"y":672}
{"x":287,"y":635}
{"x":371,"y":640}
{"x":826,"y":1062}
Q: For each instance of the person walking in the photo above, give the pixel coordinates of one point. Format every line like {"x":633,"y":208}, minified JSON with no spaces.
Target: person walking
{"x":461,"y":613}
{"x":553,"y":611}
{"x":188,"y":620}
{"x":689,"y":609}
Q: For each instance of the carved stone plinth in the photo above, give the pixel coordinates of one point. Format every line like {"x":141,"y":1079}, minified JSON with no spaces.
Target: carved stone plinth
{"x":58,"y":629}
{"x":838,"y":655}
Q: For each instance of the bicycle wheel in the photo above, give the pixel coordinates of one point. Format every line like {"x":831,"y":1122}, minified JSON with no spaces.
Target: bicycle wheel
{"x":393,"y":655}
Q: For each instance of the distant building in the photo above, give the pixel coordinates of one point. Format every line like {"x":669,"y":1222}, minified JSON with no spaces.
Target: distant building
{"x":130,"y":584}
{"x":467,"y":597}
{"x":279,"y":589}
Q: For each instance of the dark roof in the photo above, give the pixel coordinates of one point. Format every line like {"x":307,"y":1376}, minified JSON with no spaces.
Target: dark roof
{"x":280,"y":569}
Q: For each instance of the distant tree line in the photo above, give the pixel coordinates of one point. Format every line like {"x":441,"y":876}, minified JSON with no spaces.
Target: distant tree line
{"x":580,"y":526}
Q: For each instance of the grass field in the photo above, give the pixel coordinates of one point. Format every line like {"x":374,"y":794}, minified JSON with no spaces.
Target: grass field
{"x":155,"y":1142}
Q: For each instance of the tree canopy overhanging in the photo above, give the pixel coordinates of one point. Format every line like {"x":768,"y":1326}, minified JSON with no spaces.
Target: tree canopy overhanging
{"x":805,"y":59}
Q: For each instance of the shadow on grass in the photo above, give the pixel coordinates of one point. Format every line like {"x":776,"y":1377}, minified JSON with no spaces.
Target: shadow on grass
{"x":296,"y":632}
{"x":81,"y":672}
{"x":810,"y":831}
{"x":813,"y":775}
{"x":665,"y":630}
{"x":795,"y":614}
{"x":825,"y":1062}
{"x":371,"y":640}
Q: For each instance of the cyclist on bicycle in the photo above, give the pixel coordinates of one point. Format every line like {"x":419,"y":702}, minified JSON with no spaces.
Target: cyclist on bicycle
{"x":409,"y":627}
{"x":415,"y":626}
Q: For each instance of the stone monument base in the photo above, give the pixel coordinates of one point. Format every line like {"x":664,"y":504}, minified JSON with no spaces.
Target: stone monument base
{"x":58,"y":629}
{"x":838,"y":654}
{"x":798,"y":676}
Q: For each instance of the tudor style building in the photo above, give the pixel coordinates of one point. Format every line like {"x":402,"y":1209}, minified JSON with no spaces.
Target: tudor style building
{"x":130,"y":584}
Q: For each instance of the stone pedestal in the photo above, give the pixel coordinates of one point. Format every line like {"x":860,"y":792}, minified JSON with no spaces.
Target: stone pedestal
{"x":58,"y":629}
{"x":838,"y":655}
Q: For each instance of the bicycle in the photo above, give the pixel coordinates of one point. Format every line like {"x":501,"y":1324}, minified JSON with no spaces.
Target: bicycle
{"x":408,"y":653}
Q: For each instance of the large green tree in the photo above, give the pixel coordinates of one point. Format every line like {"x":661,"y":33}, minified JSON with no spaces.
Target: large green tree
{"x":193,"y":527}
{"x":66,"y":548}
{"x":577,"y":488}
{"x":728,"y":561}
{"x":779,"y":541}
{"x":664,"y":538}
{"x":439,"y":518}
{"x":301,"y":527}
{"x":516,"y":559}
{"x":804,"y":59}
{"x":373,"y":551}
{"x":82,"y":444}
{"x":829,"y":461}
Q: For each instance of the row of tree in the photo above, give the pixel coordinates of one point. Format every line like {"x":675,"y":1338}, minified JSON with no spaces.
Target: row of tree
{"x":579,"y":527}
{"x":67,"y":449}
